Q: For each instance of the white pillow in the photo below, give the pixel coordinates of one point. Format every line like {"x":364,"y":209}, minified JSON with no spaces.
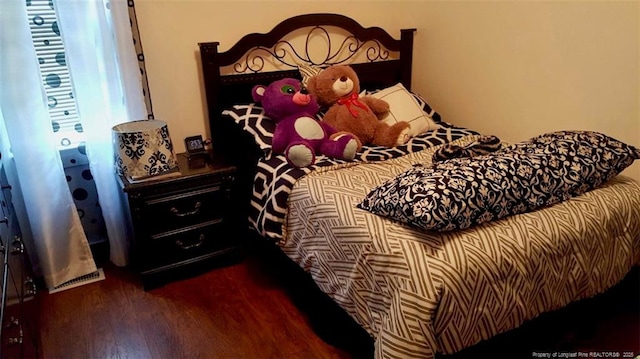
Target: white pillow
{"x":403,"y":107}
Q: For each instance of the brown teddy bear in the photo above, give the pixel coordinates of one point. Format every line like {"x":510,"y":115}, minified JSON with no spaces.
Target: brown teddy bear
{"x":337,"y":89}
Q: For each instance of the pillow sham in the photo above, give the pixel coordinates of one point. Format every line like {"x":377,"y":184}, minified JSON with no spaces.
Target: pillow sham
{"x":252,"y":119}
{"x":403,"y":107}
{"x":426,"y":108}
{"x":461,"y":192}
{"x":307,"y":71}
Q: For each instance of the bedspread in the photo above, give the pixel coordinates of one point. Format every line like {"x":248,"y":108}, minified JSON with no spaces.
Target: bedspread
{"x":275,"y":177}
{"x":419,"y":292}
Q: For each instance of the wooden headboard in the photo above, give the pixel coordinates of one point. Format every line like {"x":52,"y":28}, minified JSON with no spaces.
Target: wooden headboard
{"x":379,"y":59}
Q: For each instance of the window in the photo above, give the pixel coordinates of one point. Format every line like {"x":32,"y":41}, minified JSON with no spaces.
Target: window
{"x":54,"y":72}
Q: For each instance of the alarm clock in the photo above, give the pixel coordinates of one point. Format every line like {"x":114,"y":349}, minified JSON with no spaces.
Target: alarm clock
{"x":194,"y":145}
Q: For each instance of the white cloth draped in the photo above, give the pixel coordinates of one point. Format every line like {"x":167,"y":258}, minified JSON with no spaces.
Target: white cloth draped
{"x":102,"y":61}
{"x":63,"y":252}
{"x":108,"y":90}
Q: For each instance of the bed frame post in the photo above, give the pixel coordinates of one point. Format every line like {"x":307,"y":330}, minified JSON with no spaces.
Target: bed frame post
{"x":406,"y":55}
{"x":211,"y":76}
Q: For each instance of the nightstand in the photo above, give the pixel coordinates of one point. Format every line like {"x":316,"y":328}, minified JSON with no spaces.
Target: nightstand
{"x":183,"y":223}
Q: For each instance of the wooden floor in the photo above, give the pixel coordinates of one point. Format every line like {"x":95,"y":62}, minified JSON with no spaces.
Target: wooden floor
{"x":232,"y":312}
{"x":246,"y":311}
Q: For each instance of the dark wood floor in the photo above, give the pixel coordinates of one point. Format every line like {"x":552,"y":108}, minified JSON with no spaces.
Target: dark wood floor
{"x":248,"y":310}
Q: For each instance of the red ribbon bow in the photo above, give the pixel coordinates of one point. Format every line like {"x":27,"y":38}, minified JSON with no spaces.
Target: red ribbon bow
{"x":352,"y":100}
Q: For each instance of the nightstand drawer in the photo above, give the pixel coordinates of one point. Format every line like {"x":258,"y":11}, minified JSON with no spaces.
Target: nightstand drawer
{"x":183,"y":223}
{"x":185,"y":209}
{"x":191,"y":243}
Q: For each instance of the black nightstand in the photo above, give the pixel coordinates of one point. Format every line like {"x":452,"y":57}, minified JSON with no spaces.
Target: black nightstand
{"x":184,"y":224}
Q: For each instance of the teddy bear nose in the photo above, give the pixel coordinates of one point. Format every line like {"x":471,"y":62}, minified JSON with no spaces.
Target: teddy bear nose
{"x":343,"y":78}
{"x":301,"y":99}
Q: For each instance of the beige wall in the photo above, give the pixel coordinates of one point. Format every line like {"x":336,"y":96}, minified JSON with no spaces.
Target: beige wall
{"x":514,"y":69}
{"x":517,"y":69}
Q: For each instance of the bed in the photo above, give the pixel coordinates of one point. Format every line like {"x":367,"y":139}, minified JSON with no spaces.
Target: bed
{"x":416,"y":290}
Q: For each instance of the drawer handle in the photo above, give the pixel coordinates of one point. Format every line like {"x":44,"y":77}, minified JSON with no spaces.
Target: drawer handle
{"x":30,"y":289}
{"x":18,"y":339}
{"x":18,"y":245}
{"x":195,"y":210}
{"x":12,"y":322}
{"x":181,"y":244}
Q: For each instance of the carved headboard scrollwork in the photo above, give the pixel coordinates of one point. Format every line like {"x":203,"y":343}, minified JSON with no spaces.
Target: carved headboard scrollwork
{"x":379,"y":59}
{"x":317,"y":39}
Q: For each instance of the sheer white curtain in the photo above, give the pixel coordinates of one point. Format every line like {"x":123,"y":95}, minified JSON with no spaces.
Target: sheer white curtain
{"x":106,"y":76}
{"x":101,"y":58}
{"x":63,"y":252}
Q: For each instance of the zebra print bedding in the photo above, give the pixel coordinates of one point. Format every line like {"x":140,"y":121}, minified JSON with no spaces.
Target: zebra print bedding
{"x":418,"y":293}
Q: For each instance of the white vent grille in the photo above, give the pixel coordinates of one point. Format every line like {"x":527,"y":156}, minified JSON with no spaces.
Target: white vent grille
{"x":85,"y":279}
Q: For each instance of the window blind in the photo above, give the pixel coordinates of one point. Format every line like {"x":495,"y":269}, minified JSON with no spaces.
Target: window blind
{"x":56,"y":78}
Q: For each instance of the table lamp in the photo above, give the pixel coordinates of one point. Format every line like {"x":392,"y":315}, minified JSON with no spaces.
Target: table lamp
{"x":143,"y":149}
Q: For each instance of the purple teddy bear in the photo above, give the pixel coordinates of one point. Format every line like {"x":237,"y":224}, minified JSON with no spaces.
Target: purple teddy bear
{"x":298,"y":134}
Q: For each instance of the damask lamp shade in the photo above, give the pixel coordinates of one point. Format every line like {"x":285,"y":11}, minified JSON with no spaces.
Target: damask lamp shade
{"x":143,"y":149}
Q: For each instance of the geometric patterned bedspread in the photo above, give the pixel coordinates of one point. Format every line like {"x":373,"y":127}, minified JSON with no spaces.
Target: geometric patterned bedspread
{"x":418,"y":293}
{"x":275,"y":177}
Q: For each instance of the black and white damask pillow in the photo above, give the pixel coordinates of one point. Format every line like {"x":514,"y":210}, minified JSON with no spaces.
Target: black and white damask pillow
{"x":461,"y":192}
